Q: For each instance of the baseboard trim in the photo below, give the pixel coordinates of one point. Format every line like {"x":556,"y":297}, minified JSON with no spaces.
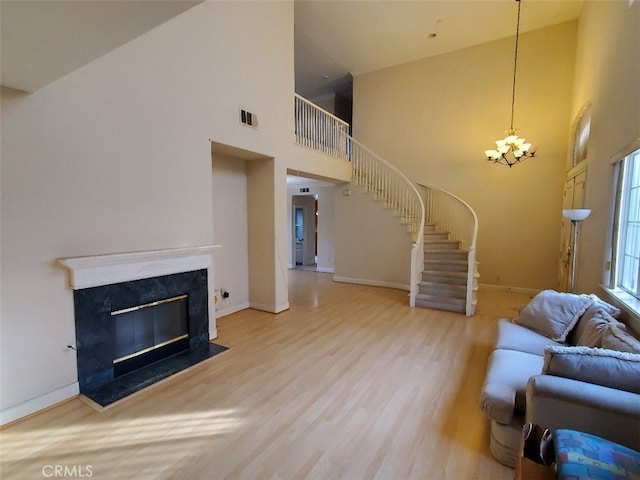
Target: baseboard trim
{"x":507,"y":288}
{"x":233,"y":309}
{"x":37,"y":404}
{"x":269,"y":308}
{"x":324,"y":270}
{"x":371,"y":283}
{"x":213,"y":333}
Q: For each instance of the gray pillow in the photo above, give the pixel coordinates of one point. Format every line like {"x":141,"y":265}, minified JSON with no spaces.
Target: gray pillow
{"x":554,"y":314}
{"x":598,"y":304}
{"x":609,"y":368}
{"x":591,"y":328}
{"x":616,"y":338}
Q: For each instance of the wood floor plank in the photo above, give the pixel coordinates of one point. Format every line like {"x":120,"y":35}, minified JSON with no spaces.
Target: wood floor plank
{"x":350,"y":383}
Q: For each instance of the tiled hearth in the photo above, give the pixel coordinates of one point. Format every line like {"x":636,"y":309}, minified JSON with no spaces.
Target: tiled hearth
{"x":109,"y":283}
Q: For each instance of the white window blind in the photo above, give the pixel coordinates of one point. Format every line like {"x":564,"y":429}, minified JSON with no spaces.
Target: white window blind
{"x":626,"y":270}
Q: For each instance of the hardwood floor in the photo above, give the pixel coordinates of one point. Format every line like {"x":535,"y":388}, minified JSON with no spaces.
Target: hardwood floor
{"x":350,"y":383}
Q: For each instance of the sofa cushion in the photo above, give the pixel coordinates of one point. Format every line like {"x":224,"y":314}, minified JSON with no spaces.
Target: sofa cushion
{"x":516,"y":337}
{"x":592,"y":327}
{"x":615,"y":338}
{"x":609,"y":368}
{"x":554,"y":314}
{"x":505,"y":384}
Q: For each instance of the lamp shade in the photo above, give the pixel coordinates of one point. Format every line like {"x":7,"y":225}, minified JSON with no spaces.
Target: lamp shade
{"x":576,"y":214}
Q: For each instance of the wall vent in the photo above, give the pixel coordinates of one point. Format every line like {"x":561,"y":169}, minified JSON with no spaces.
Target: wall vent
{"x":249,"y":119}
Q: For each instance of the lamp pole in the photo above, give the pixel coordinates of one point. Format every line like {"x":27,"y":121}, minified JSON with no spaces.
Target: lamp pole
{"x":575,"y":224}
{"x":576,"y":216}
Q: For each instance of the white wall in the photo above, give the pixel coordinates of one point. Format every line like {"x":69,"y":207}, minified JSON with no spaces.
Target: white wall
{"x":326,"y":229}
{"x":230,"y":230}
{"x":371,"y":245}
{"x":608,"y":76}
{"x":434,"y":118}
{"x":116,"y":157}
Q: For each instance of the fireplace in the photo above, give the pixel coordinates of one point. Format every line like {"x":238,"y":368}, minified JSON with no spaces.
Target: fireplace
{"x":133,"y":311}
{"x":146,"y":333}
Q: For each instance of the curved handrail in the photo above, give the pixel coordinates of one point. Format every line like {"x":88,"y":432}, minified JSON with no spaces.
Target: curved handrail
{"x":322,"y":131}
{"x":444,"y":209}
{"x":413,"y":208}
{"x":467,"y":240}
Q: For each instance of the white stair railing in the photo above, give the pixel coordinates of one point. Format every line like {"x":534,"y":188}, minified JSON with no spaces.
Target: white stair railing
{"x":319,"y":130}
{"x":389,"y":184}
{"x":455,"y":216}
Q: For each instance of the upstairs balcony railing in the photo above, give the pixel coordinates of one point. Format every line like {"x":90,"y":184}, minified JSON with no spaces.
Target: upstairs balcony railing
{"x":320,"y":130}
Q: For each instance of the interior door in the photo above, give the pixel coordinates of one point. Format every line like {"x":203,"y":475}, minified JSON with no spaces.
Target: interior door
{"x":299,"y":234}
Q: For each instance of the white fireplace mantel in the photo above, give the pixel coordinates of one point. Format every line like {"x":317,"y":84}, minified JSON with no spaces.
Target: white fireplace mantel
{"x":98,"y":270}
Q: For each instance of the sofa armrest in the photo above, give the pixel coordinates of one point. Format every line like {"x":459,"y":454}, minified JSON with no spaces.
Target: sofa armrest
{"x":497,"y":401}
{"x":557,"y":402}
{"x":503,"y":392}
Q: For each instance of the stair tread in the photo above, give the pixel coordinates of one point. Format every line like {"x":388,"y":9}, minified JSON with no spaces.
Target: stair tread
{"x":449,"y":307}
{"x":446,"y":261}
{"x":445,"y":273}
{"x":440,"y":299}
{"x":449,"y":286}
{"x":449,"y":295}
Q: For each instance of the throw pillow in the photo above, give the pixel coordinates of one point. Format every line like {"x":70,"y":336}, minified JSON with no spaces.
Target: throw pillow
{"x":609,"y":368}
{"x":554,"y":314}
{"x":591,"y":328}
{"x":615,"y":338}
{"x":598,"y":303}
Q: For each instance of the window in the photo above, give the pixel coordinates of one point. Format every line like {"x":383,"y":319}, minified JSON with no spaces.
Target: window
{"x":626,"y":271}
{"x":581,"y":135}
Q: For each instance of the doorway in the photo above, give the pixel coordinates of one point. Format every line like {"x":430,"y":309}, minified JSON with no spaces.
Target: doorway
{"x":573,"y":197}
{"x":299,"y":233}
{"x":305,"y":243}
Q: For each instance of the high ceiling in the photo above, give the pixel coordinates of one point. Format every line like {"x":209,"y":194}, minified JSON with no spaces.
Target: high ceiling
{"x":43,"y":40}
{"x":335,"y":38}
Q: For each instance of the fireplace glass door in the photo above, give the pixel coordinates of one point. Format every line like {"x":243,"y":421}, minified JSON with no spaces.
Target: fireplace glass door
{"x":146,"y":333}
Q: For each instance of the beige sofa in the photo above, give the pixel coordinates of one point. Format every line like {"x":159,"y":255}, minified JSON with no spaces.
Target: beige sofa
{"x":565,"y":362}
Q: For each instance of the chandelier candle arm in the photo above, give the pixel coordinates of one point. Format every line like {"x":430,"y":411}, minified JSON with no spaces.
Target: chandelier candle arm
{"x":512,"y":144}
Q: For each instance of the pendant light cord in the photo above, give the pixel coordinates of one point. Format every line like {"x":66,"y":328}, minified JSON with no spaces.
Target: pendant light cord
{"x":515,"y":67}
{"x":511,"y":145}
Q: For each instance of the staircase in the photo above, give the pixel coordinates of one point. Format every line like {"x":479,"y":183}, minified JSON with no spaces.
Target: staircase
{"x":444,"y":278}
{"x":444,"y":273}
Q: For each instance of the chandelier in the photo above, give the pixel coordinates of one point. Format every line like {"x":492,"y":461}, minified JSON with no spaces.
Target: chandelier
{"x":512,"y":149}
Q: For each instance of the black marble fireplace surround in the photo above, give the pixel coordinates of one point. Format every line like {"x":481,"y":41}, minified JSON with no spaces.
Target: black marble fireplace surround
{"x":94,"y":327}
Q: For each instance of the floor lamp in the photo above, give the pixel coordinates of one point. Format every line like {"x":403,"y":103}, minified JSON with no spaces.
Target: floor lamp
{"x":576,"y":216}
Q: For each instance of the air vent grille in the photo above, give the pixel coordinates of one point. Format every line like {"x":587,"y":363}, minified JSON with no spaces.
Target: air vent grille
{"x":249,"y":119}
